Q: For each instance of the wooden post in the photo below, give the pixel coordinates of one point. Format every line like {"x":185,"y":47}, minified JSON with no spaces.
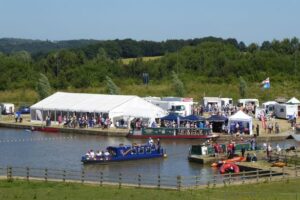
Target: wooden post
{"x":229,"y":178}
{"x":214,"y":181}
{"x":82,"y":176}
{"x":64,"y":176}
{"x":158,"y":181}
{"x":46,"y":175}
{"x":178,"y":182}
{"x":101,"y":178}
{"x":197,"y":181}
{"x":257,"y":175}
{"x":270,"y":174}
{"x":9,"y":173}
{"x":120,"y":180}
{"x":296,"y":174}
{"x":283,"y":176}
{"x":243,"y":178}
{"x":139,"y":180}
{"x":27,"y":173}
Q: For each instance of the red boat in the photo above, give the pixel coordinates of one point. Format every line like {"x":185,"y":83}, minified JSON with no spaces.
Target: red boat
{"x":229,"y":167}
{"x":172,"y":133}
{"x":46,"y":129}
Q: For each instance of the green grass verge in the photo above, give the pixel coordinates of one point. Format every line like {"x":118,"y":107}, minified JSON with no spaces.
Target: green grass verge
{"x":18,"y":189}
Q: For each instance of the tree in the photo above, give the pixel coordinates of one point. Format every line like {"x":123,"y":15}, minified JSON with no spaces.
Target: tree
{"x":243,"y":87}
{"x":43,"y":87}
{"x":177,"y":85}
{"x":111,"y":86}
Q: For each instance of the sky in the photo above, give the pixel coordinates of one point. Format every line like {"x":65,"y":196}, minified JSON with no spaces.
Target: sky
{"x":245,"y":20}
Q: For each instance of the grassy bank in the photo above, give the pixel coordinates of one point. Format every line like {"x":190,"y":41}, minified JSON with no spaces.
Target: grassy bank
{"x":47,"y":191}
{"x":194,"y":88}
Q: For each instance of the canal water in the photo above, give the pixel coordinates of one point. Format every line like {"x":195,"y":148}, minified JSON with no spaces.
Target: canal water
{"x":21,"y":148}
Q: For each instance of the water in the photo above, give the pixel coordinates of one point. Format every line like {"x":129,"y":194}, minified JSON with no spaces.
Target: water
{"x":63,"y":151}
{"x":21,"y":148}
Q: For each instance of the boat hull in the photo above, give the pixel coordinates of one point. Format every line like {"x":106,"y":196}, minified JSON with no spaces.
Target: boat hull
{"x":172,"y":136}
{"x":119,"y":159}
{"x":46,"y":129}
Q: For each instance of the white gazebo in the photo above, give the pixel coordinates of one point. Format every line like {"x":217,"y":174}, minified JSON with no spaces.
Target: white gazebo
{"x":293,"y":100}
{"x":240,"y":116}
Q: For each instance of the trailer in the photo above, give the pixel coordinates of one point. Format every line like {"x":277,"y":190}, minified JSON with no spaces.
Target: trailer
{"x":286,"y":111}
{"x":7,"y":108}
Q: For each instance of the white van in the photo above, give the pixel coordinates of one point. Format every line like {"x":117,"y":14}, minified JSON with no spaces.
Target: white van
{"x":7,"y":108}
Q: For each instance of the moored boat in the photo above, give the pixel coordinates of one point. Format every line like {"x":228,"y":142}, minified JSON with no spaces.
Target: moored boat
{"x":124,"y":153}
{"x":172,"y":133}
{"x":45,"y":129}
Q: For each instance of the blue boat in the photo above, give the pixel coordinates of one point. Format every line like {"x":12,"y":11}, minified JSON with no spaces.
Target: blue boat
{"x":124,"y":153}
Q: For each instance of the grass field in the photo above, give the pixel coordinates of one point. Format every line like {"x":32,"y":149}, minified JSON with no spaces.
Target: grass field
{"x":126,"y":61}
{"x":9,"y":190}
{"x":194,"y":88}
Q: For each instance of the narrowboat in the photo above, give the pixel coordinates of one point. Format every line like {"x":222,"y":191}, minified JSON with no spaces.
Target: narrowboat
{"x":124,"y":153}
{"x":172,"y":133}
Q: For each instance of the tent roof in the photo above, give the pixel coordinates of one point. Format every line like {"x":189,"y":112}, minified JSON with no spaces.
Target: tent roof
{"x":240,"y":116}
{"x":172,"y":117}
{"x":217,"y":118}
{"x":293,"y":100}
{"x":194,"y":118}
{"x":117,"y":104}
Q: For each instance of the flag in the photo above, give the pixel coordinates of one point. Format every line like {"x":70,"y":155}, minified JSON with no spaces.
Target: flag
{"x":266,"y":83}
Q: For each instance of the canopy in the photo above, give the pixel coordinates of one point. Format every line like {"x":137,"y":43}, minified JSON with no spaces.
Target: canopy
{"x":114,"y":105}
{"x":217,"y":118}
{"x":193,"y":118}
{"x":293,"y":100}
{"x":172,"y":117}
{"x":240,"y":116}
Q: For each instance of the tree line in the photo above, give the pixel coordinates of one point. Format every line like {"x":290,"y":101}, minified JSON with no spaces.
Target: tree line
{"x":211,"y":60}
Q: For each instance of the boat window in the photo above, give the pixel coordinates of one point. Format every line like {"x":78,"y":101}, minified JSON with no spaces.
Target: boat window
{"x":148,"y":150}
{"x":141,"y":150}
{"x":133,"y":151}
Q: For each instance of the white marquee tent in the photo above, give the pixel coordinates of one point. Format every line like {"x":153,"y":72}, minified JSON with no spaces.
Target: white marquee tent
{"x":240,"y":116}
{"x":293,"y":100}
{"x":64,"y":104}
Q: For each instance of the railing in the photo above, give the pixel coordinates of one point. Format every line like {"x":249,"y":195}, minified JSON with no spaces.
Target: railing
{"x":146,"y":180}
{"x":172,"y":131}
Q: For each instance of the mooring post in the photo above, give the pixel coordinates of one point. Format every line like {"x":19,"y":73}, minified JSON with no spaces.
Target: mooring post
{"x":257,"y":174}
{"x":101,"y":178}
{"x":82,"y":176}
{"x":64,"y":176}
{"x":139,"y":180}
{"x":197,"y":181}
{"x":9,"y":173}
{"x":46,"y":175}
{"x":214,"y":181}
{"x":270,"y":174}
{"x":178,"y":182}
{"x":27,"y":173}
{"x":158,"y":181}
{"x":120,"y":180}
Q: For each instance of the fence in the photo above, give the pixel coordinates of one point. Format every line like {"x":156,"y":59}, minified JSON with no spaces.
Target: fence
{"x":148,"y":181}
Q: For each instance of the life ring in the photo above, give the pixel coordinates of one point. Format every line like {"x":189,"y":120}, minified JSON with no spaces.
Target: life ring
{"x":229,"y":167}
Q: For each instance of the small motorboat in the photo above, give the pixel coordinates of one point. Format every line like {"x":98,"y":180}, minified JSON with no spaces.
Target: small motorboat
{"x":229,"y":167}
{"x":124,"y":153}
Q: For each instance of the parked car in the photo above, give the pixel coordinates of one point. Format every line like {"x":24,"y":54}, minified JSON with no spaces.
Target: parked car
{"x":24,"y":109}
